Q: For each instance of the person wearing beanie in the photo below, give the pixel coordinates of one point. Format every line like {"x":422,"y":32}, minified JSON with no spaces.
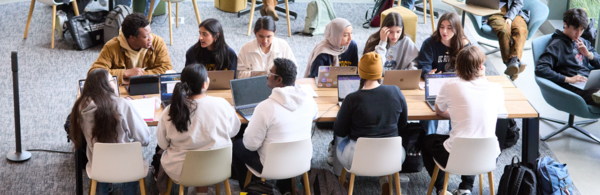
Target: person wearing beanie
{"x":374,"y":111}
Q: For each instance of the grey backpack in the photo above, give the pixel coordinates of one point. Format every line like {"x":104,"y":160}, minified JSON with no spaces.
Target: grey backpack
{"x":318,"y":14}
{"x":113,"y":21}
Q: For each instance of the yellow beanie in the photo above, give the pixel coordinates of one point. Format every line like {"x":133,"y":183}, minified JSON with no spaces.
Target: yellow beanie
{"x":370,"y":67}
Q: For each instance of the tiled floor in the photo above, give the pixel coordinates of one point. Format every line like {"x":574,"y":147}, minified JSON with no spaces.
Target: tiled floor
{"x":582,"y":155}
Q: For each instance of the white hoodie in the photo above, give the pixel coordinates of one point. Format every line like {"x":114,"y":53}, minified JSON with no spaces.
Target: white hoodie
{"x":286,"y":116}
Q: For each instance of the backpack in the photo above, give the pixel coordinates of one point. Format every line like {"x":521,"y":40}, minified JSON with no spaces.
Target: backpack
{"x":260,"y":188}
{"x":87,"y":29}
{"x":412,"y":136}
{"x":112,"y":25}
{"x":553,"y":177}
{"x":380,"y":6}
{"x":590,"y":32}
{"x":512,"y":134}
{"x":324,"y":182}
{"x":518,"y":179}
{"x":318,"y":14}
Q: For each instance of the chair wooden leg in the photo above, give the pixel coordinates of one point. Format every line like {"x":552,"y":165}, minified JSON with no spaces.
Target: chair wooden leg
{"x":343,"y":176}
{"x":433,"y":178}
{"x":151,"y":10}
{"x":431,"y":15}
{"x":446,"y":178}
{"x":90,"y":190}
{"x":169,"y":186}
{"x":480,"y":183}
{"x":306,"y":184}
{"x":227,"y":187}
{"x":170,"y":27}
{"x":262,"y":179}
{"x":351,"y":184}
{"x":287,"y":15}
{"x":293,"y":185}
{"x":248,"y":178}
{"x":181,"y":189}
{"x":142,"y":186}
{"x":29,"y":18}
{"x":218,"y":188}
{"x":390,"y":186}
{"x":398,"y":189}
{"x":93,"y":184}
{"x":75,"y":7}
{"x":197,"y":12}
{"x":176,"y":15}
{"x":491,"y":180}
{"x":251,"y":16}
{"x":53,"y":25}
{"x":425,"y":11}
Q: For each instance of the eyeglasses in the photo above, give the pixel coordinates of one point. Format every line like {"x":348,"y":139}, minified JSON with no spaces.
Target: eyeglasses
{"x":271,"y":74}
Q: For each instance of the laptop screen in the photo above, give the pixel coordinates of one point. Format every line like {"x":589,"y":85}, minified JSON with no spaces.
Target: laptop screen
{"x":114,"y":81}
{"x":167,"y":84}
{"x":347,"y":84}
{"x":249,"y":91}
{"x":434,"y":82}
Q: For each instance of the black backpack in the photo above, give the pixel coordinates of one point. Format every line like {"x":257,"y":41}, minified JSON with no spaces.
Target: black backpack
{"x":590,"y":32}
{"x":260,"y":187}
{"x":412,"y":136}
{"x":518,"y":179}
{"x":324,"y":182}
{"x":512,"y":134}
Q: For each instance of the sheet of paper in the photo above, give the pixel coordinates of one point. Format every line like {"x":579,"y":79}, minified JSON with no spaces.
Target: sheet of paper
{"x":145,"y":107}
{"x":308,"y":89}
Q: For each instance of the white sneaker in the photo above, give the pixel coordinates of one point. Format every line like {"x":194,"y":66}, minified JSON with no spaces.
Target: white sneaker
{"x":440,"y":193}
{"x":461,"y":192}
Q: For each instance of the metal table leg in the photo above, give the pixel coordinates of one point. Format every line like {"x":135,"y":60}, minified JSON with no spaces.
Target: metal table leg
{"x":531,"y":138}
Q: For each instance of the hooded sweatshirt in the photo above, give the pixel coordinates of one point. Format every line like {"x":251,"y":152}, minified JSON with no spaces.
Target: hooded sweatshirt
{"x":286,"y":116}
{"x":562,"y":59}
{"x":136,"y":57}
{"x":131,"y":126}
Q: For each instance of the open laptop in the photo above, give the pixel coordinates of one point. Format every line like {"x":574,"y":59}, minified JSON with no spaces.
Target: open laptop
{"x":247,"y":93}
{"x":492,"y":4}
{"x":167,"y":84}
{"x":593,"y":81}
{"x":220,"y":79}
{"x":404,"y":79}
{"x":117,"y":91}
{"x":328,"y":75}
{"x":433,"y":84}
{"x":347,"y":84}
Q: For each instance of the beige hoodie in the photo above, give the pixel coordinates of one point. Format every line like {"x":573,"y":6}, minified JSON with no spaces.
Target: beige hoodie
{"x":137,"y":57}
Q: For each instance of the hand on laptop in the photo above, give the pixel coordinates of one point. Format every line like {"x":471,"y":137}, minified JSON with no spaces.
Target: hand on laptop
{"x":575,"y":79}
{"x":133,"y":72}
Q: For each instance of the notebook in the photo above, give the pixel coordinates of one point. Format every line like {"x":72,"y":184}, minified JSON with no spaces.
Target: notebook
{"x":145,"y":107}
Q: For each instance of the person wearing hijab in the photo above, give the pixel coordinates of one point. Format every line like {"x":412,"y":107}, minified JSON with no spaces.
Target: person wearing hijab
{"x":338,"y":48}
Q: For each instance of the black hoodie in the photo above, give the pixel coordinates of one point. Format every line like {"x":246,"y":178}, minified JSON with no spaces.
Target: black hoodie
{"x":562,"y":59}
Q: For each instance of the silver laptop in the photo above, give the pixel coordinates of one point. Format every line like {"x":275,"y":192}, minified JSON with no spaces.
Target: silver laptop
{"x":117,"y":91}
{"x":492,"y":4}
{"x":433,"y":84}
{"x":328,"y":75}
{"x":247,"y":93}
{"x":404,"y":79}
{"x":220,"y":79}
{"x":347,"y":84}
{"x":167,"y":84}
{"x":593,"y":81}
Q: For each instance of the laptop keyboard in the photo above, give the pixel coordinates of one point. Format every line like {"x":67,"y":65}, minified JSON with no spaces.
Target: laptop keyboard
{"x":247,"y":111}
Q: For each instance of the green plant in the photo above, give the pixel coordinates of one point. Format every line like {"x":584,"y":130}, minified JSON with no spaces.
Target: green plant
{"x":592,"y":7}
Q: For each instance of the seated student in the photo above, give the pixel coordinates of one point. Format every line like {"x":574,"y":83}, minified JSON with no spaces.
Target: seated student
{"x":511,"y":28}
{"x":338,"y":48}
{"x":393,"y":45}
{"x":100,"y":116}
{"x":136,"y":51}
{"x":258,"y":54}
{"x":568,"y":58}
{"x":211,"y":49}
{"x":439,"y":51}
{"x":473,"y":113}
{"x":373,"y":111}
{"x":286,"y":116}
{"x":193,"y":121}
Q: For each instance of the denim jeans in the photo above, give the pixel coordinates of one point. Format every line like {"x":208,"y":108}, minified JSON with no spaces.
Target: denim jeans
{"x":128,"y":188}
{"x":243,"y":157}
{"x":148,"y":6}
{"x":433,"y":148}
{"x":410,"y":4}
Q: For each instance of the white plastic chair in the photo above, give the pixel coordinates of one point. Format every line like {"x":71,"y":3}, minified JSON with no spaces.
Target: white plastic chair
{"x":286,"y":160}
{"x":53,"y":4}
{"x":470,"y":156}
{"x":204,"y":168}
{"x":176,"y":14}
{"x":118,"y":163}
{"x":287,"y":15}
{"x":376,"y":157}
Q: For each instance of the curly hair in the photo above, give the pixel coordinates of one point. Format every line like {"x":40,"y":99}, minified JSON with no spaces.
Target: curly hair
{"x":286,"y":69}
{"x":132,"y":23}
{"x":576,"y":17}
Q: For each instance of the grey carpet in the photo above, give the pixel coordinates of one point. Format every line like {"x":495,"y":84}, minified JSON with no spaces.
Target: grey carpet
{"x":48,"y":81}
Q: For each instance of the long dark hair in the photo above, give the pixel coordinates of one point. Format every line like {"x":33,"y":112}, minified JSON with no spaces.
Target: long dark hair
{"x":193,"y":77}
{"x":220,"y":51}
{"x":456,"y":43}
{"x":392,"y":19}
{"x":265,"y":22}
{"x":106,"y":118}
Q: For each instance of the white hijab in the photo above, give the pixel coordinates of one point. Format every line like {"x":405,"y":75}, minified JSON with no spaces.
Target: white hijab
{"x":334,"y":31}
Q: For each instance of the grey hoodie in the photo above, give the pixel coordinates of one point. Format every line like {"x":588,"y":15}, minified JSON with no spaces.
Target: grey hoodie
{"x":285,"y":116}
{"x":131,"y":127}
